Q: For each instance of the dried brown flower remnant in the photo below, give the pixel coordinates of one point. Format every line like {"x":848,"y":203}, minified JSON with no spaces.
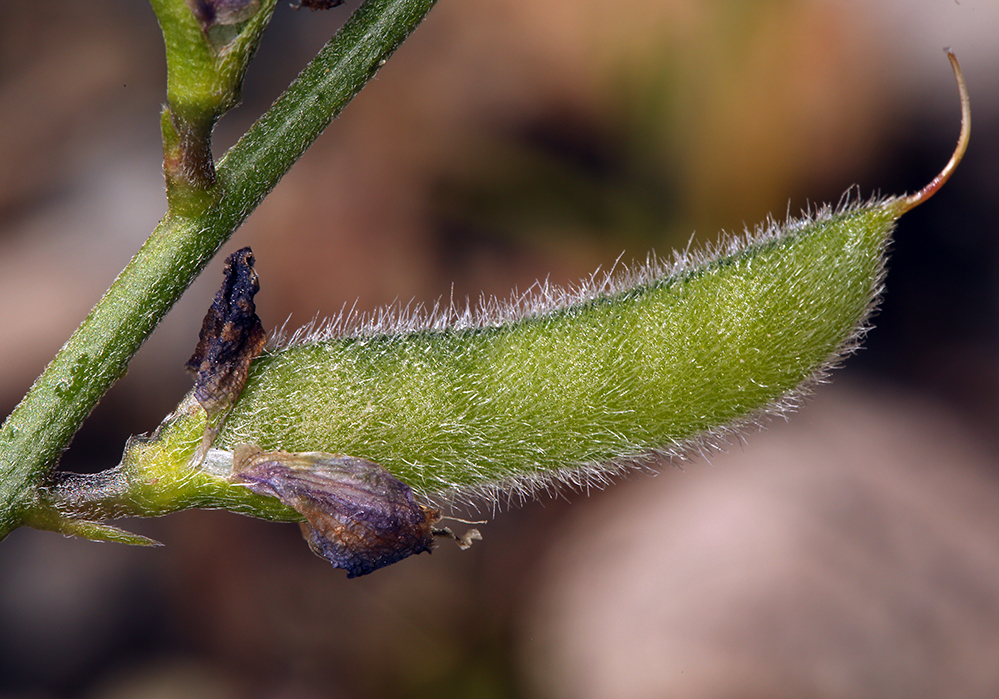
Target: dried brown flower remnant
{"x":320,"y":4}
{"x":224,"y":12}
{"x":359,"y":516}
{"x":231,"y":336}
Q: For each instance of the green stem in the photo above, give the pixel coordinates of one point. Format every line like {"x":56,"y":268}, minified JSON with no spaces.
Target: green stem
{"x":97,"y":354}
{"x":206,"y":58}
{"x":253,"y":166}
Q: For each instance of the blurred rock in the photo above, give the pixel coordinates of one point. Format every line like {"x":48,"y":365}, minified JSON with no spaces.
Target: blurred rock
{"x":849,"y":553}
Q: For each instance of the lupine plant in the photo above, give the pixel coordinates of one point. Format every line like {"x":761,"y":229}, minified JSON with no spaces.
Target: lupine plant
{"x":362,"y":429}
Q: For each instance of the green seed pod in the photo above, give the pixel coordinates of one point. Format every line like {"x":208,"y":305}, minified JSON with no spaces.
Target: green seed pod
{"x":558,"y":386}
{"x":573,"y":386}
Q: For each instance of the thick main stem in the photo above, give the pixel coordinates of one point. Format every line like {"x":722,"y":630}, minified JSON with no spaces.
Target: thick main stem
{"x":42,"y":425}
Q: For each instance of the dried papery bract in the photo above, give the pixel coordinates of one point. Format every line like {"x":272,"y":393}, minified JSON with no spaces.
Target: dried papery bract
{"x":231,"y":337}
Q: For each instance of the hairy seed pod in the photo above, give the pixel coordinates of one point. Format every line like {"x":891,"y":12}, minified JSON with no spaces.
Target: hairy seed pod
{"x":556,"y":386}
{"x":573,"y":386}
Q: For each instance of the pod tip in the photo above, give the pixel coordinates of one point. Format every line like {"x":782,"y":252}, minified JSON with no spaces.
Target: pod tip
{"x":913,"y":200}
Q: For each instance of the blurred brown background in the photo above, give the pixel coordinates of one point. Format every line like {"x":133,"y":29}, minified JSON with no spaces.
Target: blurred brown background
{"x":852,"y":552}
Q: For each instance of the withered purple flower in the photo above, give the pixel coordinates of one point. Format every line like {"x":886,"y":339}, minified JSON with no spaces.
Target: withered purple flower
{"x":212,"y":12}
{"x":359,"y":516}
{"x":320,"y":4}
